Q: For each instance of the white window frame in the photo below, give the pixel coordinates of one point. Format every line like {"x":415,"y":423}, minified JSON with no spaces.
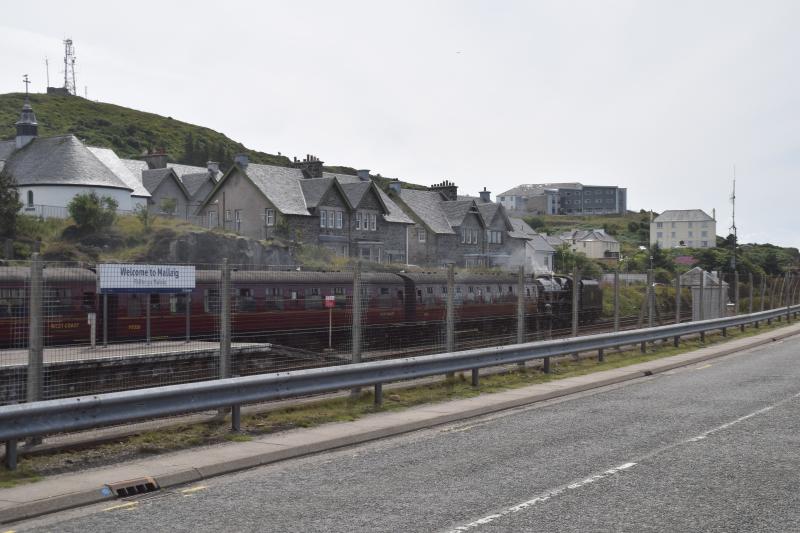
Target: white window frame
{"x":373,"y":222}
{"x":339,"y":219}
{"x":323,"y":219}
{"x":358,"y":219}
{"x":332,"y":219}
{"x":422,"y":234}
{"x":269,"y":217}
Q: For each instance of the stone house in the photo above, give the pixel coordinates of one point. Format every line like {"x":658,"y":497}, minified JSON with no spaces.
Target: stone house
{"x":691,"y":228}
{"x":539,"y":253}
{"x":505,"y":246}
{"x":349,"y":215}
{"x":595,"y":244}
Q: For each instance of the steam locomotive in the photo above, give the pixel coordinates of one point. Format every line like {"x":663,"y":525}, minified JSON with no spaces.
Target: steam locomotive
{"x":291,"y":307}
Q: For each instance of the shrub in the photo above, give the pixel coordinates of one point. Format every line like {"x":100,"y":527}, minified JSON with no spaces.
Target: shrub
{"x":91,"y":212}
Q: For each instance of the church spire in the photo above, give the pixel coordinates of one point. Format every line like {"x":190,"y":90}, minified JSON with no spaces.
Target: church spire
{"x":27,"y":127}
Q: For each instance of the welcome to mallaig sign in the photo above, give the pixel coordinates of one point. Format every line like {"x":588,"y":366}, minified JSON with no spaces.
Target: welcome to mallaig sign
{"x":113,"y":278}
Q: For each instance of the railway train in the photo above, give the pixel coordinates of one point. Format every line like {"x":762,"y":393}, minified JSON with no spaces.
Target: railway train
{"x":289,"y":307}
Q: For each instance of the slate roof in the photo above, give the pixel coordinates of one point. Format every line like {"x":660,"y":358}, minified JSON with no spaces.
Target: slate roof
{"x":110,"y":159}
{"x":395,"y":214}
{"x":6,"y":149}
{"x":281,"y":185}
{"x":522,"y":230}
{"x":194,"y":182}
{"x":588,"y":235}
{"x":540,"y":243}
{"x":153,"y":178}
{"x":685,"y":215}
{"x":135,"y":166}
{"x":427,"y":206}
{"x":314,"y":189}
{"x":554,"y":240}
{"x":456,"y":211}
{"x":60,"y":160}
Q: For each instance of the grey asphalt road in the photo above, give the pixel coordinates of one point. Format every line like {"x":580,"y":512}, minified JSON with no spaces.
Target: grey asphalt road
{"x":712,"y":447}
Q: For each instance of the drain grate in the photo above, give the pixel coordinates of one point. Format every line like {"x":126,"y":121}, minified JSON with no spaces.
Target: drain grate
{"x":132,"y":487}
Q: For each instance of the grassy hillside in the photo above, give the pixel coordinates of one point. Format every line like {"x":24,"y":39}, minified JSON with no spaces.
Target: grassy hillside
{"x":128,"y":132}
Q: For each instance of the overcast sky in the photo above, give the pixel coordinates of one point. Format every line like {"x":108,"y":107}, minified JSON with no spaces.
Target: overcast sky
{"x":660,"y":97}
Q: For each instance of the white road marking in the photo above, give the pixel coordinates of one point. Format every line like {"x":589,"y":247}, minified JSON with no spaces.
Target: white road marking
{"x":613,"y":471}
{"x":543,"y":497}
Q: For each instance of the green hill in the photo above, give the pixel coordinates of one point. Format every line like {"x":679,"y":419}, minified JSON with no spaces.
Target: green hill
{"x":128,"y":132}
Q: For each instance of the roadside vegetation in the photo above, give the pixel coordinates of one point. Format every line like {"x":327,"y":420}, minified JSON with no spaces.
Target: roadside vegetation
{"x":311,"y":413}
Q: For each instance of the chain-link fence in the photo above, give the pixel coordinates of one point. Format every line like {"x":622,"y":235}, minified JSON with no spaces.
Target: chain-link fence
{"x":68,"y":329}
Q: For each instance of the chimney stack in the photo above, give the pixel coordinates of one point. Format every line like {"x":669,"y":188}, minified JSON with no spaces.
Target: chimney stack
{"x":447,"y":189}
{"x":486,"y":196}
{"x":242,"y":160}
{"x":156,"y":159}
{"x":394,"y":186}
{"x":363,"y":174}
{"x":213,"y":168}
{"x":311,"y":166}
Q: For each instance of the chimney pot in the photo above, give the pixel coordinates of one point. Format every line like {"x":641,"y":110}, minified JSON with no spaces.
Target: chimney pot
{"x":242,"y":160}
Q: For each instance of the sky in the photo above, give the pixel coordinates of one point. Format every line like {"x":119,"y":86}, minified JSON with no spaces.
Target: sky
{"x":664,"y":98}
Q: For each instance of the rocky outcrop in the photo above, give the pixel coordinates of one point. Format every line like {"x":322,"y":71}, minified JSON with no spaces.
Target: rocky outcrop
{"x":200,"y":247}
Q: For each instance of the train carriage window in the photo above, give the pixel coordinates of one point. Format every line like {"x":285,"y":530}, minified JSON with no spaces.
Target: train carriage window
{"x":59,"y":300}
{"x":313,"y":298}
{"x":12,"y":302}
{"x":244,"y":301}
{"x":429,"y":290}
{"x":155,"y":302}
{"x":211,"y":301}
{"x":419,"y":296}
{"x":134,"y":305}
{"x":273,"y":298}
{"x":384,"y":297}
{"x":339,"y":294}
{"x":444,"y":290}
{"x":88,"y":301}
{"x":510,"y":289}
{"x":177,"y":304}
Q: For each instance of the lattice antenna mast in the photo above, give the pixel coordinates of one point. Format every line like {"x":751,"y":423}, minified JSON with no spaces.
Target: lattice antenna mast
{"x":69,"y":66}
{"x":733,"y":220}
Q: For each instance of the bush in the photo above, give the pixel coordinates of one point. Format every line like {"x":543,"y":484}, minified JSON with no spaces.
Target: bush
{"x":91,"y":212}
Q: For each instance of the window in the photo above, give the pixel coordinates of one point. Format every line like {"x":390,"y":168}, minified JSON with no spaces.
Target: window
{"x":273,"y":299}
{"x":339,"y":218}
{"x":659,"y":234}
{"x":269,"y":217}
{"x":422,"y":234}
{"x":332,"y":219}
{"x":704,"y":244}
{"x":323,"y":219}
{"x":672,"y":224}
{"x":227,"y":215}
{"x":211,"y":300}
{"x":365,"y":253}
{"x":690,"y":234}
{"x":429,"y":290}
{"x":672,"y":234}
{"x":659,"y":224}
{"x":690,"y":224}
{"x":177,"y":304}
{"x":358,"y":220}
{"x":704,"y":234}
{"x":463,"y":235}
{"x":30,"y":197}
{"x":373,"y":222}
{"x":238,"y":221}
{"x":704,"y":224}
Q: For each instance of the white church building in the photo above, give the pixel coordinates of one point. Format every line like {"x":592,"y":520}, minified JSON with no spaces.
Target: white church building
{"x":50,"y":171}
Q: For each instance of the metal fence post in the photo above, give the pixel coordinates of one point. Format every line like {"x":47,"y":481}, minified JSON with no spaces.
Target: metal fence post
{"x":702,"y":307}
{"x":736,"y":293}
{"x":10,"y":460}
{"x":750,"y":293}
{"x":616,"y":300}
{"x":723,"y":297}
{"x":763,"y":290}
{"x":651,"y":298}
{"x":787,"y":302}
{"x":147,"y":306}
{"x":225,"y":322}
{"x":356,"y":329}
{"x":35,"y":331}
{"x":105,"y":320}
{"x":521,"y":308}
{"x":188,"y":316}
{"x":575,"y":300}
{"x":450,"y":316}
{"x":356,"y":308}
{"x":677,"y":339}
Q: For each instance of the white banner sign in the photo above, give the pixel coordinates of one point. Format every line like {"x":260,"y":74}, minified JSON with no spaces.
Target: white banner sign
{"x":145,"y":278}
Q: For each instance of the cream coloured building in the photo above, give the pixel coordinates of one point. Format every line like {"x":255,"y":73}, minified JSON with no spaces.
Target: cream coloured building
{"x":690,"y":228}
{"x":594,"y":244}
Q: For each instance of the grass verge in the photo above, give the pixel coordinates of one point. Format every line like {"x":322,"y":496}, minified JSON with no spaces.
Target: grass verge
{"x":309,"y":414}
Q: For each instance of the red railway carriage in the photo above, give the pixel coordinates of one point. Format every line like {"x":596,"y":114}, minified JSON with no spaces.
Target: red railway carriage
{"x":68,"y":296}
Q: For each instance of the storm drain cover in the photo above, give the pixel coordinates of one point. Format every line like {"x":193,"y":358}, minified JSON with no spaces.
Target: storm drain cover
{"x":132,"y":487}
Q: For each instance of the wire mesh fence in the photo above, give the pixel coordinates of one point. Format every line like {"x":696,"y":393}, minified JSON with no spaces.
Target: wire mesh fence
{"x":67,"y":329}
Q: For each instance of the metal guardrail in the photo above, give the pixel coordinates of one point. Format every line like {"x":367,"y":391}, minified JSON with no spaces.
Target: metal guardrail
{"x":53,"y":416}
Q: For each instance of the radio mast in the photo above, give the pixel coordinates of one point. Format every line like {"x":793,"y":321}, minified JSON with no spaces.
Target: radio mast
{"x":69,"y":67}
